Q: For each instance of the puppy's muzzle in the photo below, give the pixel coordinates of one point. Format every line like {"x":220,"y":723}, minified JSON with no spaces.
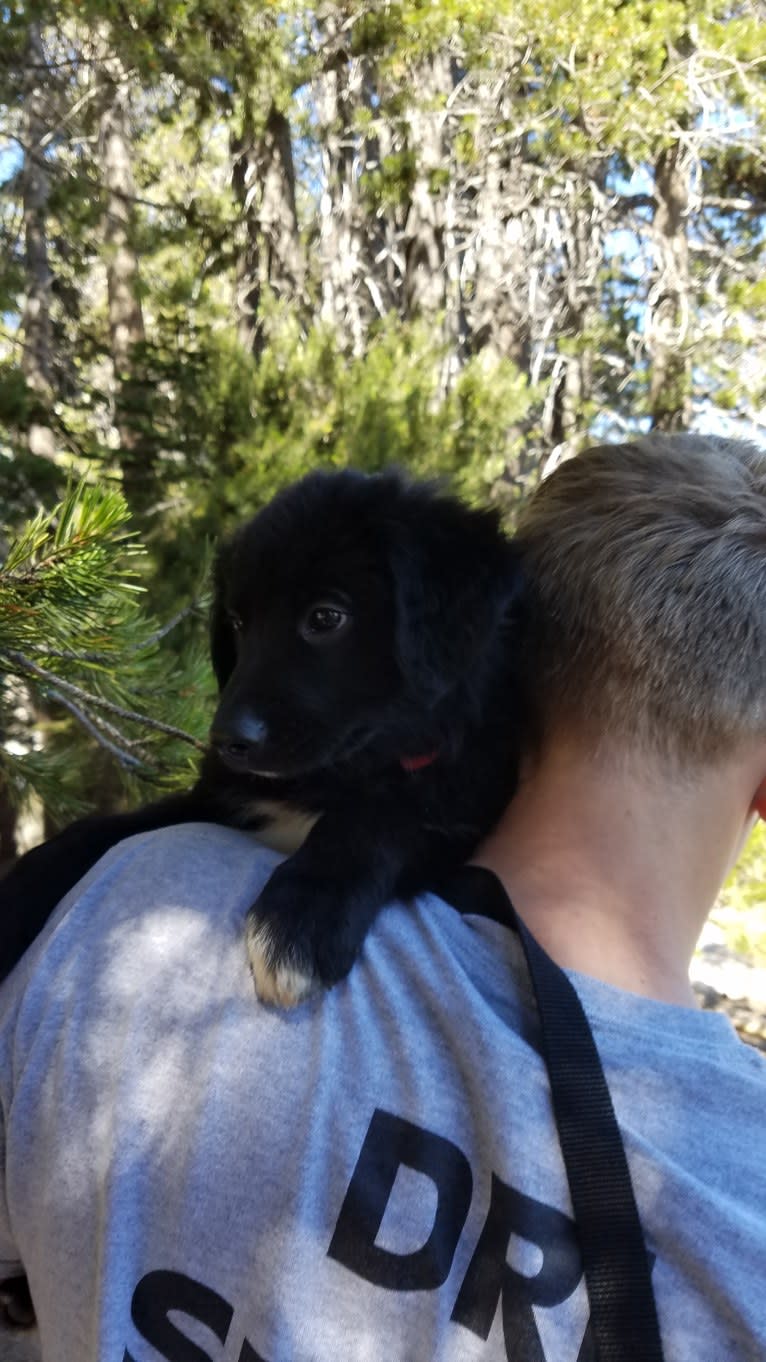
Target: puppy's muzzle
{"x":239,"y":740}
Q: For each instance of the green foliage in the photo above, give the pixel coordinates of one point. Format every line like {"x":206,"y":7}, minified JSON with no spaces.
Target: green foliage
{"x":538,"y":121}
{"x":76,"y":646}
{"x":741,"y":910}
{"x":242,"y":429}
{"x":14,"y":396}
{"x":746,"y":886}
{"x":50,"y":568}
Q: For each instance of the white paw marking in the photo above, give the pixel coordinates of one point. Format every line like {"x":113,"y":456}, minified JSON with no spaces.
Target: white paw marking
{"x":284,"y":985}
{"x":286,"y":828}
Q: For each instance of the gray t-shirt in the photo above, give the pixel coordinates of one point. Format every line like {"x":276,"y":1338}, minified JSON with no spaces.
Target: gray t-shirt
{"x":375,"y":1177}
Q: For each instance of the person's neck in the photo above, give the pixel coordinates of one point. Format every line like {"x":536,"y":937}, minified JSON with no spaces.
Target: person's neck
{"x":614,"y":869}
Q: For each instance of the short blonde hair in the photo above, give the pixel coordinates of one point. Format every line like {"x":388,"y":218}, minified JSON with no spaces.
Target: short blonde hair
{"x":648,"y":562}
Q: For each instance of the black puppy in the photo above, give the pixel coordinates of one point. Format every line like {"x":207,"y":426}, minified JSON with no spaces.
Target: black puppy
{"x":364,"y":640}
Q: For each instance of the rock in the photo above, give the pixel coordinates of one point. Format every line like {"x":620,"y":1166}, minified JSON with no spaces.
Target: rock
{"x":728,"y":982}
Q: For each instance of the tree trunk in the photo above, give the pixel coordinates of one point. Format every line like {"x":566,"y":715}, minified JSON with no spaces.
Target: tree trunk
{"x":668,"y":306}
{"x":37,"y":355}
{"x":8,"y":846}
{"x":501,"y":243}
{"x":581,"y":228}
{"x":346,"y":304}
{"x":126,"y":321}
{"x":499,"y":219}
{"x":263,"y":175}
{"x":425,"y":282}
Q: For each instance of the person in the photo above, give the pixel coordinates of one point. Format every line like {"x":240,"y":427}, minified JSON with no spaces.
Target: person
{"x":189,"y":1175}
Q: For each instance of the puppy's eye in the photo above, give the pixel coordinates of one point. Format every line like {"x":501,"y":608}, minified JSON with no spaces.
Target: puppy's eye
{"x":324,"y":620}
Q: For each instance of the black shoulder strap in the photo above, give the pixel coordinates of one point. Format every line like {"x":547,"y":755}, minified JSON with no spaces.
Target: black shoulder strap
{"x":623,"y":1315}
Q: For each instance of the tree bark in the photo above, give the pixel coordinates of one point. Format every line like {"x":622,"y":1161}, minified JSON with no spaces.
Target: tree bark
{"x":668,"y":306}
{"x":425,"y":283}
{"x":126,"y":321}
{"x":37,"y":355}
{"x":502,"y":238}
{"x":346,"y":303}
{"x":581,"y":228}
{"x":498,"y":221}
{"x":8,"y":845}
{"x":272,"y":257}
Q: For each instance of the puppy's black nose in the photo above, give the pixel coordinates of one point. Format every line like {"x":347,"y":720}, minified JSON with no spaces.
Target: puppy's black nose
{"x":238,"y":734}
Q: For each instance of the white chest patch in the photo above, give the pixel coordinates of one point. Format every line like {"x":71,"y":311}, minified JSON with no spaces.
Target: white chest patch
{"x":286,"y":827}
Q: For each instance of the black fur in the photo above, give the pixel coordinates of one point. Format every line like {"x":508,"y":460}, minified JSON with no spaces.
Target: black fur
{"x":423,"y":665}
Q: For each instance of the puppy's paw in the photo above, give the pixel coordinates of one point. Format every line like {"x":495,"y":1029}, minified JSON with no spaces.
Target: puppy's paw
{"x":277,"y":979}
{"x":303,"y":934}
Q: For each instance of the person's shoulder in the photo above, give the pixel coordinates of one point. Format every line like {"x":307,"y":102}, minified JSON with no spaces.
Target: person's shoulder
{"x":203,"y":861}
{"x":203,"y":866}
{"x":164,"y":890}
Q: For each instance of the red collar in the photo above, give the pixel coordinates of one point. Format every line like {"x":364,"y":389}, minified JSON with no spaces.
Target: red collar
{"x":417,"y":763}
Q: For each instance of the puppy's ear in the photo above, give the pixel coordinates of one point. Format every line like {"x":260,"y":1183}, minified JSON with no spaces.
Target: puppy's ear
{"x":457,"y":582}
{"x":223,"y":644}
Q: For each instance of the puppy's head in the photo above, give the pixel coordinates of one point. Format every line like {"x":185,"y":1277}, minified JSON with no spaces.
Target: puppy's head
{"x":352,"y":616}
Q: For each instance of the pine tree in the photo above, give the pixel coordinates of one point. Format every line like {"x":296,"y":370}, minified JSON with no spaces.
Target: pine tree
{"x":241,"y":240}
{"x":74,"y":637}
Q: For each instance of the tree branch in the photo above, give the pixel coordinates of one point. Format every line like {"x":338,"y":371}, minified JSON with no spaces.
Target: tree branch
{"x":124,"y":758}
{"x":31,"y":668}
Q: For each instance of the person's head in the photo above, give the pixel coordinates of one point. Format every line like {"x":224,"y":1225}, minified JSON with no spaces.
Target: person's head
{"x":649,"y":565}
